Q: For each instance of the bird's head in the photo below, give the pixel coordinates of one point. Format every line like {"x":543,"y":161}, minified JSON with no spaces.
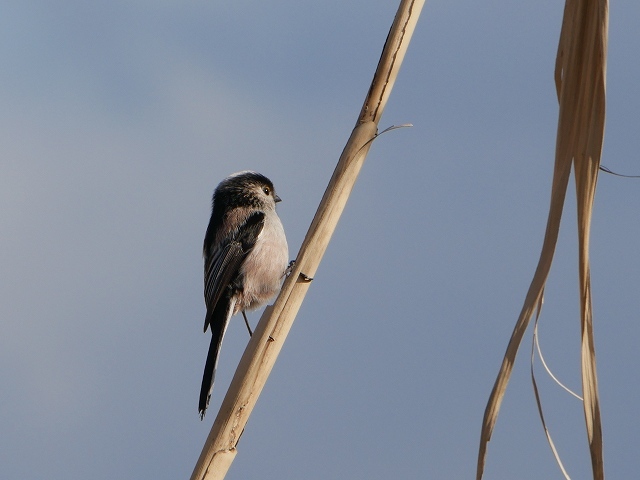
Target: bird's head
{"x":246,"y":189}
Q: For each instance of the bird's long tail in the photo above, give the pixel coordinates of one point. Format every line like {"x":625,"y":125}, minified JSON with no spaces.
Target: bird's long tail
{"x":219,"y":322}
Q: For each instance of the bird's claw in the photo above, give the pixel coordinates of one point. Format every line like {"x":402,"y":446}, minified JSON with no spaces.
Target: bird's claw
{"x":303,"y":277}
{"x":289,"y":269}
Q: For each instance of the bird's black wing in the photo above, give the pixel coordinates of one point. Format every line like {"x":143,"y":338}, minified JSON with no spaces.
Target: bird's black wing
{"x":222,"y":268}
{"x":221,"y":273}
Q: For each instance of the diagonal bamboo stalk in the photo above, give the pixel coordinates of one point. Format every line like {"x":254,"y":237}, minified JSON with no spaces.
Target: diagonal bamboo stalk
{"x":580,"y":82}
{"x":265,"y":344}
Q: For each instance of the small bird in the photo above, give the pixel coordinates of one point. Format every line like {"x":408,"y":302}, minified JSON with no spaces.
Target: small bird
{"x":245,"y":259}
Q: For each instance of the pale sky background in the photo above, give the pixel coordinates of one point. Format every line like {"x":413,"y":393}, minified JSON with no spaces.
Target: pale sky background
{"x":118,"y":119}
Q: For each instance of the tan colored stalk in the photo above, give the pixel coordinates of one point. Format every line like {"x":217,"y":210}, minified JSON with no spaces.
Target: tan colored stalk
{"x":265,"y":344}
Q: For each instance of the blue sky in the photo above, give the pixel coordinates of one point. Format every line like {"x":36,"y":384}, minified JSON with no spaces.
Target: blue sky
{"x":118,"y":119}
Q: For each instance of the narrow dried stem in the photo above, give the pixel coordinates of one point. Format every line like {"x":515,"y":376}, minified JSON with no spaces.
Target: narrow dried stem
{"x":265,"y":344}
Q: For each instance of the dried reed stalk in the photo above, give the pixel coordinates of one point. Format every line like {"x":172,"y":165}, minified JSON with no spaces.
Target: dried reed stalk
{"x":265,"y":344}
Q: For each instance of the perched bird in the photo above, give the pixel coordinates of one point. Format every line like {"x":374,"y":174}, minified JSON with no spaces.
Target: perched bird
{"x":245,"y":258}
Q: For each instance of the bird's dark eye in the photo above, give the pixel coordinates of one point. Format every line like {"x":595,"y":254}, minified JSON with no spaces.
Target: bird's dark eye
{"x":266,"y":191}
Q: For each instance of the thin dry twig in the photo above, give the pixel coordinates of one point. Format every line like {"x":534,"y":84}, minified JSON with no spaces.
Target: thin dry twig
{"x":536,"y":344}
{"x":537,"y":395}
{"x":607,"y":170}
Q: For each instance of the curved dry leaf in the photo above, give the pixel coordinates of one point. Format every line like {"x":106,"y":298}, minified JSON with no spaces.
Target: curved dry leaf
{"x":580,"y":82}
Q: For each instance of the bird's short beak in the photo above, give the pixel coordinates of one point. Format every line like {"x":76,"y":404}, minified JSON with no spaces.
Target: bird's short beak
{"x":277,"y":198}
